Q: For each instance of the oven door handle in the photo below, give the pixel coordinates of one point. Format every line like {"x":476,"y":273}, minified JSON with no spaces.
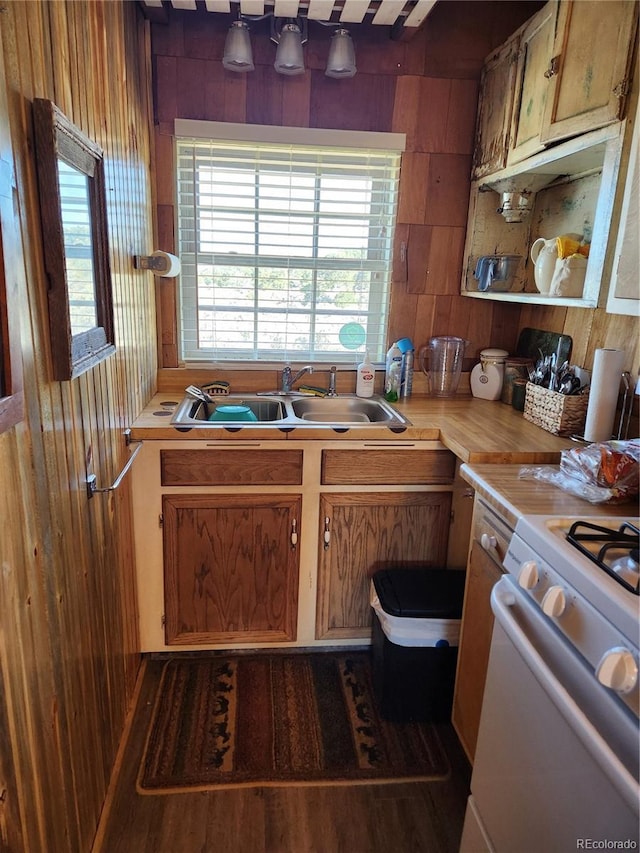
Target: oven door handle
{"x":503,"y":599}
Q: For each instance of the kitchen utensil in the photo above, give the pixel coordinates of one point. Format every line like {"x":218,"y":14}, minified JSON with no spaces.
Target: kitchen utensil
{"x":495,"y":272}
{"x":198,"y":393}
{"x":568,"y":383}
{"x":540,"y":373}
{"x":441,"y":362}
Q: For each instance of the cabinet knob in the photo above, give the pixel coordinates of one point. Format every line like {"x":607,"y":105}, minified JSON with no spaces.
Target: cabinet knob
{"x":488,"y":542}
{"x":554,"y":67}
{"x":618,"y":670}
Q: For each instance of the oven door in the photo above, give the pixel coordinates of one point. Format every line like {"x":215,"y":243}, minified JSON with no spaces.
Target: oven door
{"x":557,"y":756}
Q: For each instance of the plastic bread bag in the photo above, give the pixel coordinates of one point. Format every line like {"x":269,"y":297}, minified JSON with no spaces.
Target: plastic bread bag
{"x":603,"y":472}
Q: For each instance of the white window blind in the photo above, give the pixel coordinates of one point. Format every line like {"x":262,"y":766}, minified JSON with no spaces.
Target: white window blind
{"x":285,"y":249}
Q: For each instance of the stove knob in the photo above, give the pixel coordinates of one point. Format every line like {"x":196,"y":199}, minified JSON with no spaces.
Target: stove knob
{"x":618,"y":670}
{"x":554,"y":602}
{"x":488,"y":542}
{"x":528,"y":577}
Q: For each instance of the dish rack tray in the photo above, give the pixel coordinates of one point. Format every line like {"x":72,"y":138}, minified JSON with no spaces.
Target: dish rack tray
{"x":560,"y":414}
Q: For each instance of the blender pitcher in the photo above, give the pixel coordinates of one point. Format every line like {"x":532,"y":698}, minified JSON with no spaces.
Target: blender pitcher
{"x":441,"y":362}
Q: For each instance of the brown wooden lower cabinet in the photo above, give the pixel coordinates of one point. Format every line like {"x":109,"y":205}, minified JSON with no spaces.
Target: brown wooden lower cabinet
{"x":361,"y":533}
{"x":231,"y":567}
{"x":473,"y":654}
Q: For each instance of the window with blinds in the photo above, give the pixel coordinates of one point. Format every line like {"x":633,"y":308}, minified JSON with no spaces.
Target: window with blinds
{"x":285,"y":249}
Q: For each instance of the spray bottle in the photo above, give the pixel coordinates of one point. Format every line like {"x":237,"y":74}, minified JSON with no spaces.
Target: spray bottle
{"x":393,"y":374}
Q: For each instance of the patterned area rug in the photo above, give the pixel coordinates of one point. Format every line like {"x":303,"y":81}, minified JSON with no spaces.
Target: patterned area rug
{"x":276,"y":720}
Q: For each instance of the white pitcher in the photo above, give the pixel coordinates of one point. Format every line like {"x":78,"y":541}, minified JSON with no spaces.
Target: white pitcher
{"x":544,"y":254}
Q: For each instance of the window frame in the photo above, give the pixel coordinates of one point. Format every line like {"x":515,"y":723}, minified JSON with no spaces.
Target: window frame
{"x":190,"y":131}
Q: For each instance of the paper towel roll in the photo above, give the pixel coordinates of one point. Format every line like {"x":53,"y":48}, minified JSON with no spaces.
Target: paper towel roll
{"x":170,"y":264}
{"x":603,"y":394}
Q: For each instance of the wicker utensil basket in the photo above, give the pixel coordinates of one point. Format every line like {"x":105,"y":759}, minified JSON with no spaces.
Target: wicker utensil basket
{"x":560,"y":414}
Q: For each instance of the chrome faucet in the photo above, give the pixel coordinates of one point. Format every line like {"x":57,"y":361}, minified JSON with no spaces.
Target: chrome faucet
{"x":287,"y":383}
{"x":332,"y":382}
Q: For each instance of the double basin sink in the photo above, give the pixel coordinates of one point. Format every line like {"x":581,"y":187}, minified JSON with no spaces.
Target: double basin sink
{"x":290,"y":411}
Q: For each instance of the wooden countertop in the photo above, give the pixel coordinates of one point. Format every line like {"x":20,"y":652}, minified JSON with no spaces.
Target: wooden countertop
{"x":512,"y":497}
{"x":477,"y":431}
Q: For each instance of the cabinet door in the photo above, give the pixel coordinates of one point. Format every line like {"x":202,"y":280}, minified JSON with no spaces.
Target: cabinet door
{"x":362,"y":533}
{"x":231,"y":567}
{"x":497,"y":86}
{"x":589,"y":75}
{"x":534,"y":56}
{"x":624,"y":297}
{"x":473,"y":654}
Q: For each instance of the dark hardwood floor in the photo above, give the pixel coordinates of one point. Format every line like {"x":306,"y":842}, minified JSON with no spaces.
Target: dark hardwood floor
{"x":403,"y":817}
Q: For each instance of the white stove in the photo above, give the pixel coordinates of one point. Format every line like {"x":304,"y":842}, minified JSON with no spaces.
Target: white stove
{"x":597,"y":611}
{"x":557,"y":761}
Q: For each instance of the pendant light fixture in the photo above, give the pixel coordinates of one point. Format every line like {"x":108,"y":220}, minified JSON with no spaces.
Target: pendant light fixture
{"x":237,"y":48}
{"x":289,"y":34}
{"x":289,"y":58}
{"x":342,"y":55}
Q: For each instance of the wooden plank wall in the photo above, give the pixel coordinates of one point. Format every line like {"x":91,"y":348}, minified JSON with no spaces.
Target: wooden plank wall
{"x":68,"y":619}
{"x":426,"y":88}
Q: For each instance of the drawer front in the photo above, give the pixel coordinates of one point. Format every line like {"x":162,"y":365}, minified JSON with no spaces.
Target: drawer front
{"x":387,"y":467}
{"x":231,"y":467}
{"x":491,"y":532}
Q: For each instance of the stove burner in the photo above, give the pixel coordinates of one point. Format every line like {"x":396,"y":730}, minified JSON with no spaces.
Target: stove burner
{"x":612,"y":543}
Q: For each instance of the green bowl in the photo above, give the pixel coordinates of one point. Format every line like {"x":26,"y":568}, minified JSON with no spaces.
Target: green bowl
{"x":232,"y":413}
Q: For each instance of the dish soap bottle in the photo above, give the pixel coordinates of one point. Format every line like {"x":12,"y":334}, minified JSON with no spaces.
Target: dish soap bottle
{"x":393,"y":374}
{"x":365,"y":377}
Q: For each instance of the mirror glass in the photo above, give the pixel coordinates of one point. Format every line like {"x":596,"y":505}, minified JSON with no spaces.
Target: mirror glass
{"x":75,"y":210}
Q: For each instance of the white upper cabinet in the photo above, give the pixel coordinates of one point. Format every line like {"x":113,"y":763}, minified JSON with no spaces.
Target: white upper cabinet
{"x":497,"y":86}
{"x":549,"y":140}
{"x":624,"y":289}
{"x":589,"y":74}
{"x":534,"y":56}
{"x":565,"y":72}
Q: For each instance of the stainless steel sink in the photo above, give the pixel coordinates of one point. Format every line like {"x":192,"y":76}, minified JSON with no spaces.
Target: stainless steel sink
{"x":192,"y":412}
{"x":345,"y":409}
{"x":288,"y":412}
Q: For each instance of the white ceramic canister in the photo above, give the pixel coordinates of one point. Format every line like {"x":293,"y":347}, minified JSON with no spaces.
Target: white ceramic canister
{"x":487,"y":377}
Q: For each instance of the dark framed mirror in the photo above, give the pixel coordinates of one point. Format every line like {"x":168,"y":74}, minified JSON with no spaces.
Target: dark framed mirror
{"x":76,"y":249}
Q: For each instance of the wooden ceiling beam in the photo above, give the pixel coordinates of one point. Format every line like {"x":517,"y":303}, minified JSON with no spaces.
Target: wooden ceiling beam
{"x":399,"y":14}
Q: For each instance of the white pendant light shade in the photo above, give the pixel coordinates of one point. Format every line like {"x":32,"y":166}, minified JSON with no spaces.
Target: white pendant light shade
{"x":342,"y":55}
{"x":237,"y":48}
{"x":289,"y":59}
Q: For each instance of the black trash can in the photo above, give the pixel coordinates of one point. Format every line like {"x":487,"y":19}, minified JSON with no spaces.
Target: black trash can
{"x":416,"y":626}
